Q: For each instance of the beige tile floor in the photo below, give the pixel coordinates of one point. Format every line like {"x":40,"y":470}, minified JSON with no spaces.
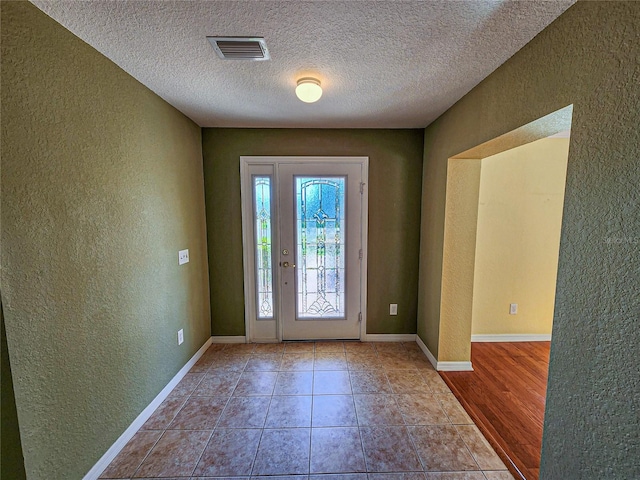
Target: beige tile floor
{"x":335,"y":410}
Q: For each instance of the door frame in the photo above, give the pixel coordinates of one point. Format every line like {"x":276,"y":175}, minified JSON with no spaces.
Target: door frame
{"x":247,"y":166}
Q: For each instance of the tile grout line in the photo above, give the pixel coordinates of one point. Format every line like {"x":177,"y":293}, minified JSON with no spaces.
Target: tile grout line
{"x":255,"y":457}
{"x":468,"y":448}
{"x":413,"y":444}
{"x":364,"y":456}
{"x":313,"y":376}
{"x":195,"y":466}
{"x":144,"y":458}
{"x":310,"y":440}
{"x":216,"y":424}
{"x":164,"y":430}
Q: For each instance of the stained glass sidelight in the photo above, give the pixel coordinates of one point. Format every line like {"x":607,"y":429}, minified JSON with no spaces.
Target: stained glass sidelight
{"x":264,"y":276}
{"x":320,"y":231}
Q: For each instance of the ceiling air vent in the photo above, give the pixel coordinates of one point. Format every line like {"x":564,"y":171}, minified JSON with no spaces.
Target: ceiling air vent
{"x":240,"y":48}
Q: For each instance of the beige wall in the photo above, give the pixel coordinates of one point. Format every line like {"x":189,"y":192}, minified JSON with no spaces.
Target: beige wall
{"x":518,"y":238}
{"x":461,"y":218}
{"x":102,"y":184}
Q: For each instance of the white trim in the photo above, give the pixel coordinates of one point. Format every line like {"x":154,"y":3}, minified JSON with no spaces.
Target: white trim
{"x":427,"y":352}
{"x":389,"y":337}
{"x":247,"y":243}
{"x":229,"y":339}
{"x":261,"y":159}
{"x":454,"y":367}
{"x":248,"y":170}
{"x":364,"y":242}
{"x":247,"y":162}
{"x":443,"y":366}
{"x":526,"y":337}
{"x":128,"y":434}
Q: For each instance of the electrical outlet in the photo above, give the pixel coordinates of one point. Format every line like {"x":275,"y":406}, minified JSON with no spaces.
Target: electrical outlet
{"x":393,"y":309}
{"x":183,"y":257}
{"x":513,"y":309}
{"x":180,"y":336}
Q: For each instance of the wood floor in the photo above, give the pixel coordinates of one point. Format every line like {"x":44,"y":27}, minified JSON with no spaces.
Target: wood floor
{"x":505,"y":396}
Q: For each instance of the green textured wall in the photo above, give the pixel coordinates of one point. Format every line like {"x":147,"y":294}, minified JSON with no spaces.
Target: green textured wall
{"x":589,"y":58}
{"x":395,"y":169}
{"x":11,"y":459}
{"x":101,"y":186}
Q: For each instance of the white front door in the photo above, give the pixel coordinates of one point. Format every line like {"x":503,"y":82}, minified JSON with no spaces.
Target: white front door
{"x":320,"y":243}
{"x":305,"y":265}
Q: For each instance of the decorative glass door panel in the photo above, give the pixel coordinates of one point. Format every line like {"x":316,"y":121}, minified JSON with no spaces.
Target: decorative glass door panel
{"x":320,"y":240}
{"x":259,"y":248}
{"x":320,"y":247}
{"x":263,"y":244}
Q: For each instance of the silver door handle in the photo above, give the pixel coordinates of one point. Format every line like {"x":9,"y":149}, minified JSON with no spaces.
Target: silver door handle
{"x":288,"y":265}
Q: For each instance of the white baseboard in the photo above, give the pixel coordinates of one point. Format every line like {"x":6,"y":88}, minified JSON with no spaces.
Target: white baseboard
{"x":389,"y":337}
{"x":427,"y":352}
{"x":119,"y":444}
{"x":534,"y":337}
{"x":443,"y":366}
{"x":454,"y":367}
{"x":229,"y":339}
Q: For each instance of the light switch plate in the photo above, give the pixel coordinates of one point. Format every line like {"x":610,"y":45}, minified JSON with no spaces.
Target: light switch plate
{"x":183,"y":257}
{"x":513,"y":309}
{"x":180,"y":336}
{"x":393,"y":309}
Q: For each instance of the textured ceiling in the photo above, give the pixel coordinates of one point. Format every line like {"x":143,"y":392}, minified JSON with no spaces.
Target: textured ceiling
{"x":383,"y":64}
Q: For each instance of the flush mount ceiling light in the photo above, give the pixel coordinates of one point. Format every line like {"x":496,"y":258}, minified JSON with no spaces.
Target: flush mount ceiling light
{"x":309,"y":90}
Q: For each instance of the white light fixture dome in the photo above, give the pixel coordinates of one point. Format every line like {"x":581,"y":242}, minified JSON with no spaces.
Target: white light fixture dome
{"x":309,"y":90}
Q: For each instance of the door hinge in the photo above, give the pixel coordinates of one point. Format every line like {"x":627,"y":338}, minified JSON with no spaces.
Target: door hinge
{"x":361,"y":187}
{"x":360,"y":317}
{"x":360,"y":254}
